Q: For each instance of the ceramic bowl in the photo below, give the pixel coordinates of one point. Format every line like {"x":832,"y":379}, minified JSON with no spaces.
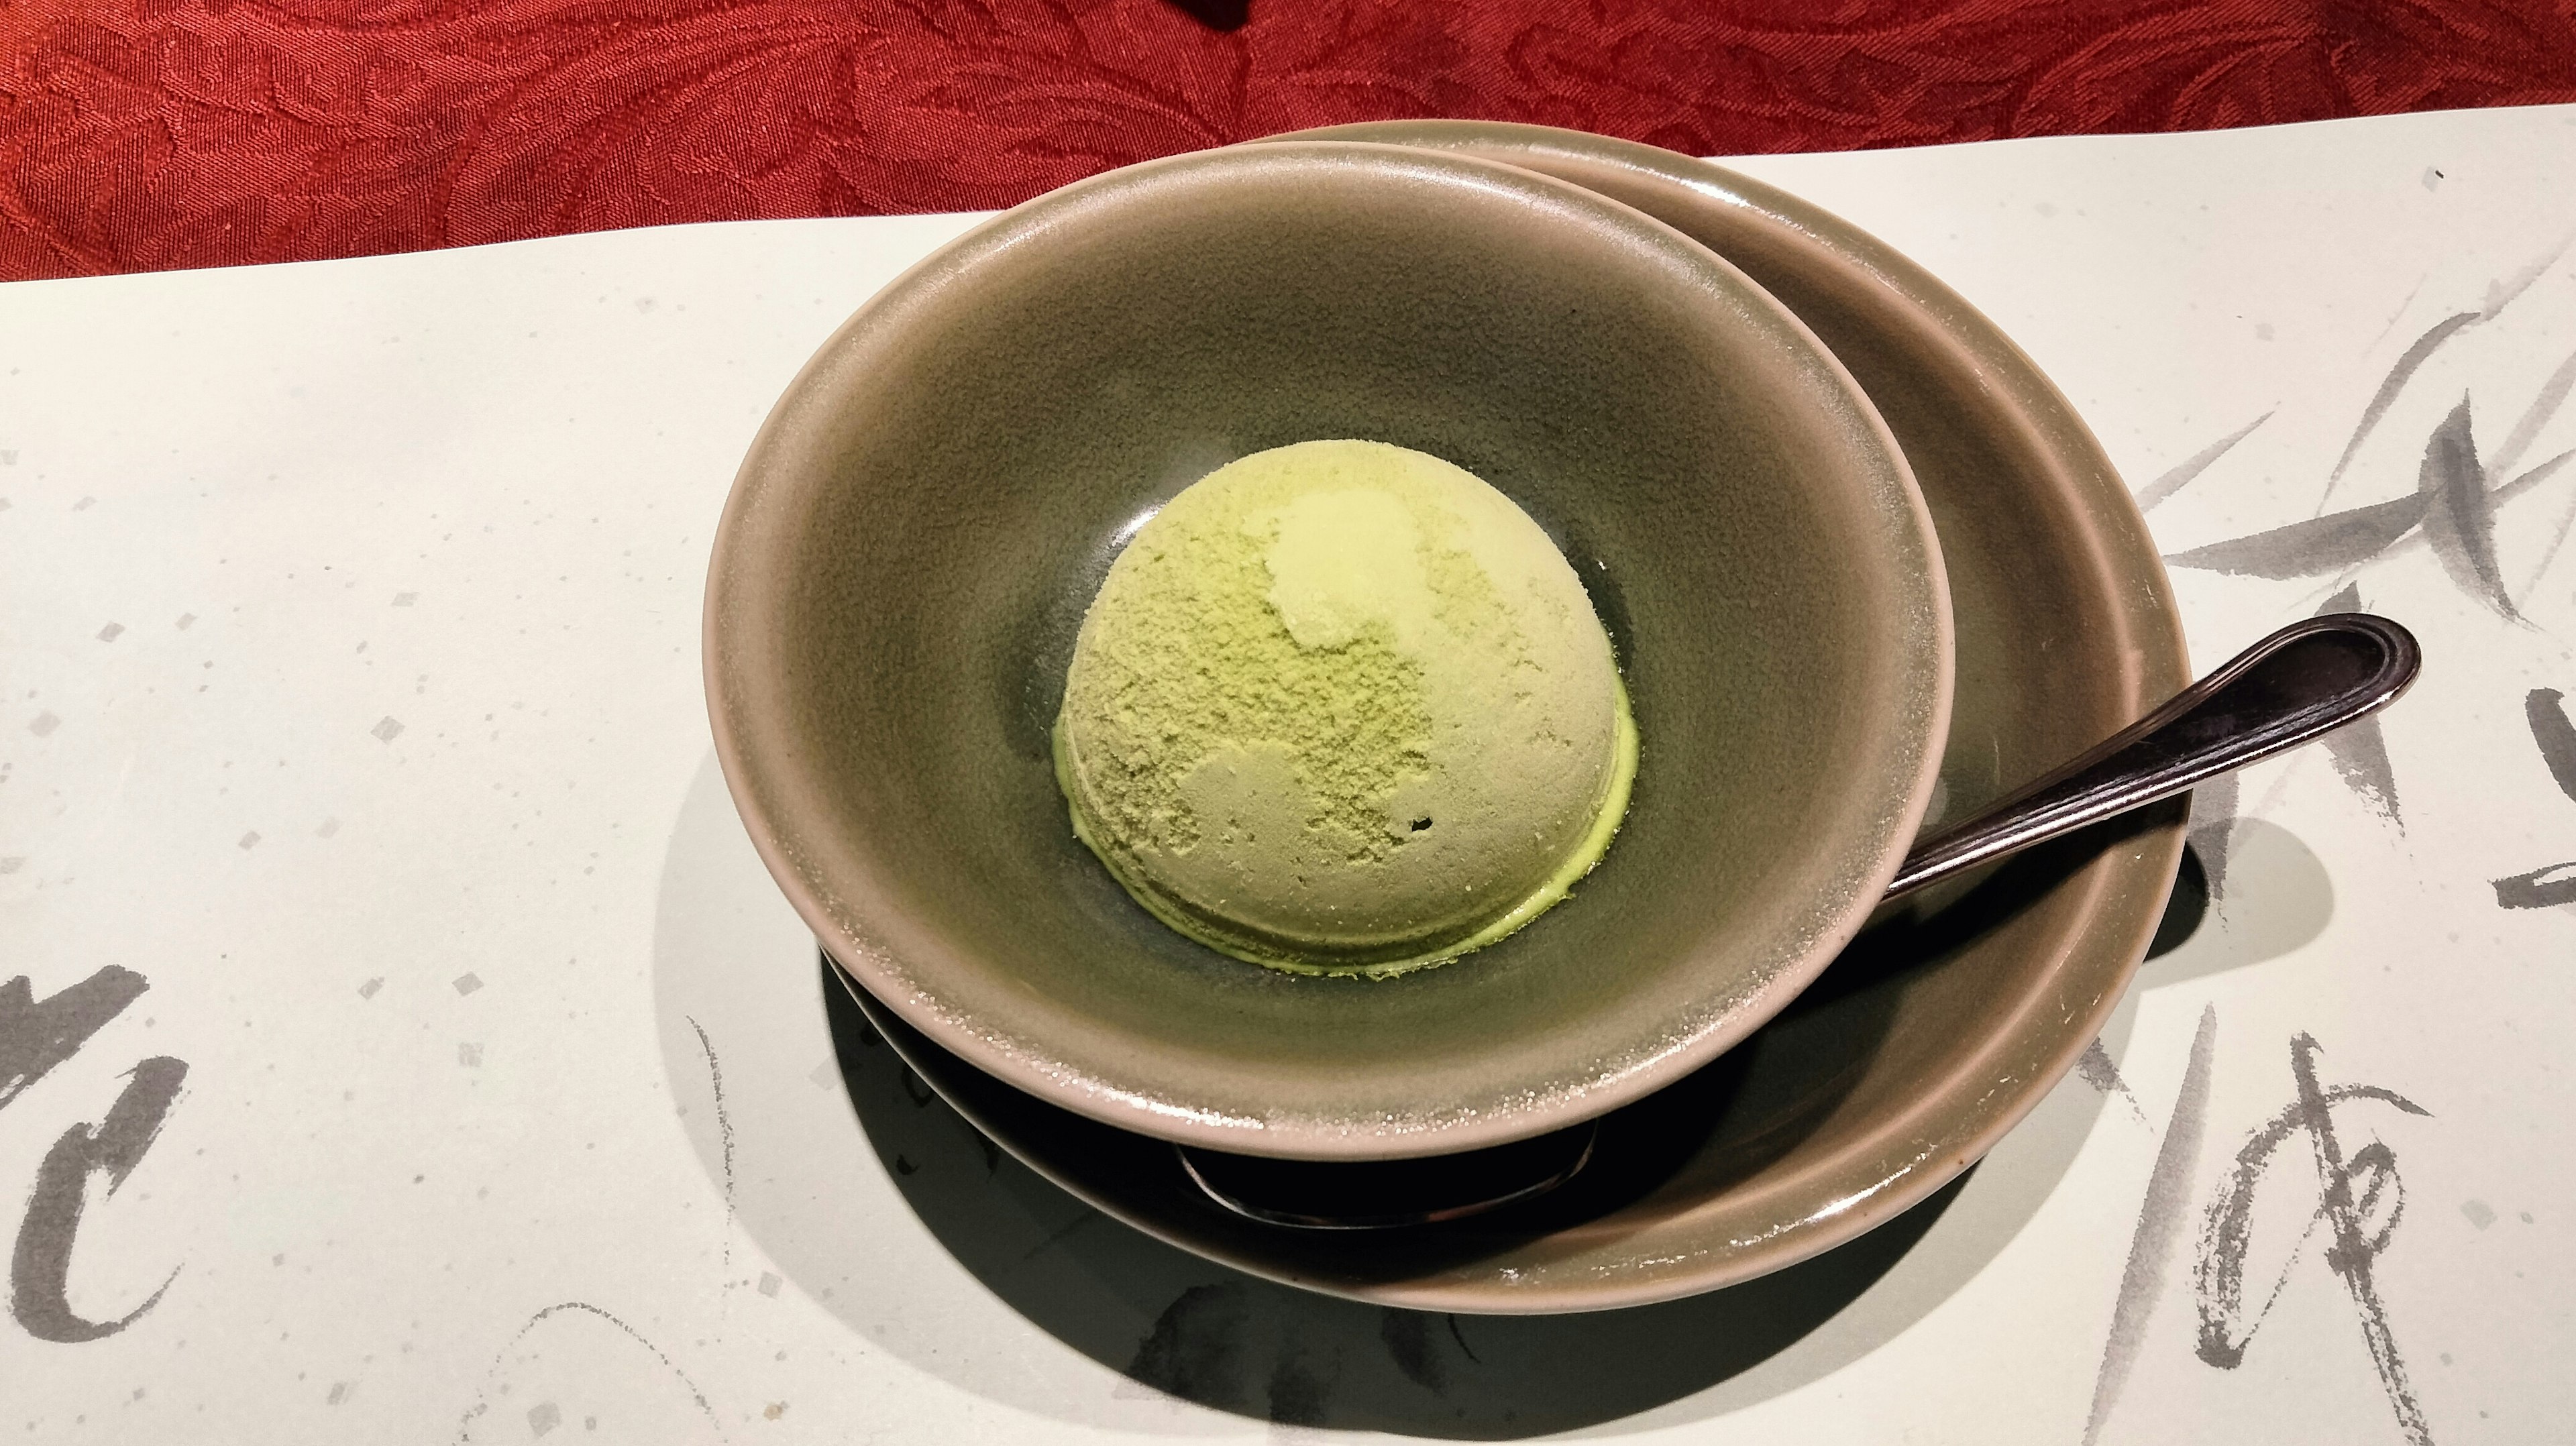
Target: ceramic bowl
{"x":1937,"y":1031}
{"x":913,"y":538}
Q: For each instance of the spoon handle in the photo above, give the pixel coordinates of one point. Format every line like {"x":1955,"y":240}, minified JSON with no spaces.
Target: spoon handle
{"x":2304,"y":681}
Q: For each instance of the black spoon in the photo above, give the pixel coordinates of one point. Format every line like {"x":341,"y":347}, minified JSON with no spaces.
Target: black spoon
{"x":2299,"y":684}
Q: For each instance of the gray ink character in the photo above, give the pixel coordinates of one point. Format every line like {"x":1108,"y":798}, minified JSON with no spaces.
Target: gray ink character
{"x":2359,"y":1200}
{"x":40,"y":1267}
{"x":38,"y":1034}
{"x":35,"y":1036}
{"x":2545,"y":710}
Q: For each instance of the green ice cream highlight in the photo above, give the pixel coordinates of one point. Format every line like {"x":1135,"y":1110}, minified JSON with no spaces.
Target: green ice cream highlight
{"x":1342,"y":708}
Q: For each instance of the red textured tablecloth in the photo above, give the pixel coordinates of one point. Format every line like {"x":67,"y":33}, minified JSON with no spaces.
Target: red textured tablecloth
{"x":142,"y":134}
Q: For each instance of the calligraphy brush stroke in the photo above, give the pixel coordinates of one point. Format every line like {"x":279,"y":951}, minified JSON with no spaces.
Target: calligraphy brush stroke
{"x":2353,"y":1252}
{"x":2566,"y":519}
{"x":2359,"y":751}
{"x":724,"y":1131}
{"x":2545,"y":710}
{"x":36,"y":1035}
{"x":2452,"y":502}
{"x":2218,"y":1279}
{"x":2218,"y":1276}
{"x":2460,"y":519}
{"x":2179,"y":476}
{"x":2508,"y":491}
{"x":2500,"y":493}
{"x":40,"y":1265}
{"x":2213,"y":830}
{"x":2097,"y":1069}
{"x":2544,"y":405}
{"x":2500,"y":294}
{"x":2318,"y":545}
{"x":2542,"y":888}
{"x":2408,"y":362}
{"x":2160,"y":1222}
{"x":482,"y":1397}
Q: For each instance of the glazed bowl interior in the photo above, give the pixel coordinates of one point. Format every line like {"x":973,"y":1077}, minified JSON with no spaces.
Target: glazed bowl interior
{"x":913,"y":539}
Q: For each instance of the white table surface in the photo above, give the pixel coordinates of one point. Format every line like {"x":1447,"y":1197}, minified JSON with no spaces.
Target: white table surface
{"x":348,"y":644}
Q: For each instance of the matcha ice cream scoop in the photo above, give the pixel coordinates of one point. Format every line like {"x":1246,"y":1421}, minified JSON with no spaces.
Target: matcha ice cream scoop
{"x":1343,"y":708}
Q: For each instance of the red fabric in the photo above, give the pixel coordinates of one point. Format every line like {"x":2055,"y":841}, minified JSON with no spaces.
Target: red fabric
{"x":140,"y":134}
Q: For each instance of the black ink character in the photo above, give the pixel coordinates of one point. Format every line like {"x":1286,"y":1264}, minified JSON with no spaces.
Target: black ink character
{"x":2360,"y":1200}
{"x":36,"y":1035}
{"x":40,"y":1268}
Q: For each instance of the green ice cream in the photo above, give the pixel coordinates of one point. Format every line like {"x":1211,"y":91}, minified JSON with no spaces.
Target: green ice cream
{"x":1343,"y":708}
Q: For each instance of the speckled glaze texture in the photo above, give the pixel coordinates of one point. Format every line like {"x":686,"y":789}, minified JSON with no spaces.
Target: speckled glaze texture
{"x":1939,"y":1028}
{"x":907,"y":552}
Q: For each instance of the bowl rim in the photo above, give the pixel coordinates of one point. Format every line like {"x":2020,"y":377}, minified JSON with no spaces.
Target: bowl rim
{"x":1495,"y":1115}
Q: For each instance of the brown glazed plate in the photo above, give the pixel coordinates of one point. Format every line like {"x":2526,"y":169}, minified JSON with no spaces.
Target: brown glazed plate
{"x":1944,"y":1023}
